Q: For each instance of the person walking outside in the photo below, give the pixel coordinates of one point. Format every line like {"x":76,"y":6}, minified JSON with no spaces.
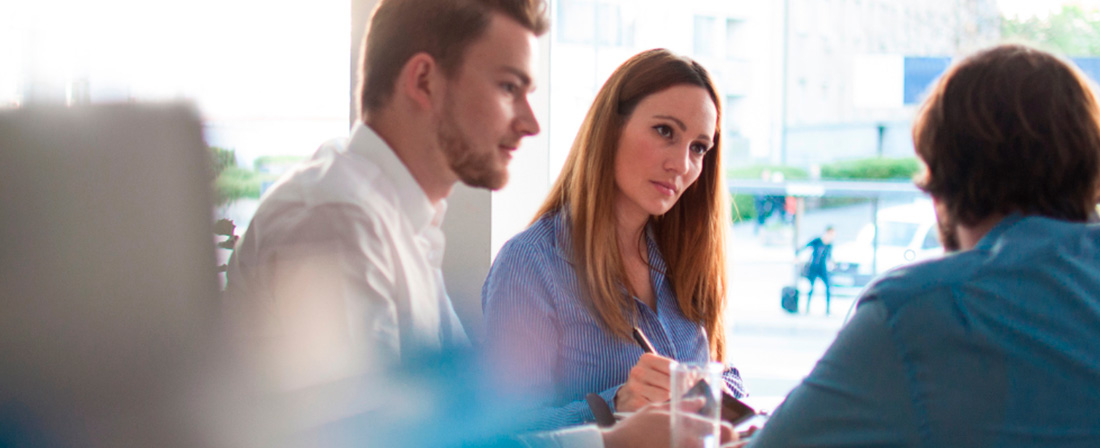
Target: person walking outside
{"x":818,"y":267}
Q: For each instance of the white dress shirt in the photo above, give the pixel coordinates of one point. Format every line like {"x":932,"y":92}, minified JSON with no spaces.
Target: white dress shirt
{"x":341,"y":267}
{"x":345,"y":252}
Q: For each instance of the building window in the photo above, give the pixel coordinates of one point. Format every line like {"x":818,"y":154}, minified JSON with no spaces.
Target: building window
{"x":704,"y":35}
{"x":582,"y":22}
{"x":736,"y":39}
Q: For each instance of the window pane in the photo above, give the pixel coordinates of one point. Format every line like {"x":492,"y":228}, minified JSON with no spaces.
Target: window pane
{"x":896,"y":233}
{"x":576,"y":21}
{"x":704,"y":36}
{"x":931,"y":239}
{"x":269,"y":79}
{"x":820,"y":91}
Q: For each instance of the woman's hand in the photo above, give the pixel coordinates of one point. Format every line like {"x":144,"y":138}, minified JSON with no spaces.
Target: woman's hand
{"x":650,"y":427}
{"x":648,"y":383}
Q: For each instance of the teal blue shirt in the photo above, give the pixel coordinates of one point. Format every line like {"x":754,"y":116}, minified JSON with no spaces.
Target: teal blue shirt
{"x":998,"y":346}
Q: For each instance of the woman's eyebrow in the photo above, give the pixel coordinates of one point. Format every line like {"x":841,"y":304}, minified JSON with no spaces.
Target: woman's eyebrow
{"x":682,"y":126}
{"x":677,"y":120}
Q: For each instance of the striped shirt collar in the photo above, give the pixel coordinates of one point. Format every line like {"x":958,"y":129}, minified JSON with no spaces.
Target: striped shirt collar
{"x":563,"y":247}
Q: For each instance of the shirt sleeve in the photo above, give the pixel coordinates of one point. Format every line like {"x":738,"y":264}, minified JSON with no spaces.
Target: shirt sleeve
{"x":522,"y":335}
{"x":333,"y":283}
{"x":734,"y":385}
{"x":587,"y":436}
{"x":856,"y":395}
{"x":808,"y":245}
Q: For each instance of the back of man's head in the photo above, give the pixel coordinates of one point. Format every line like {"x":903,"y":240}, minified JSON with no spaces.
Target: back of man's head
{"x":443,"y":29}
{"x":1011,"y":129}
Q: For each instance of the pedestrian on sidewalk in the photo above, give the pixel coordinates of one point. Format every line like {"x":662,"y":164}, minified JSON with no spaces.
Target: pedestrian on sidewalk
{"x":818,"y":266}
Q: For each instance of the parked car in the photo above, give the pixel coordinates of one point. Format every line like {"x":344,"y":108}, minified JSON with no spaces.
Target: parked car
{"x":907,"y":233}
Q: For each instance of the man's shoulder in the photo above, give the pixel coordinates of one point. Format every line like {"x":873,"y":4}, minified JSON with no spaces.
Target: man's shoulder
{"x":1024,"y":247}
{"x":311,"y":206}
{"x":334,"y":179}
{"x":902,"y":285}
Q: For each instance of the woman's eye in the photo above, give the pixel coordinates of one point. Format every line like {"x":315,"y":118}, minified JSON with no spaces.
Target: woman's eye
{"x":663,"y":130}
{"x":509,"y":87}
{"x":699,"y":148}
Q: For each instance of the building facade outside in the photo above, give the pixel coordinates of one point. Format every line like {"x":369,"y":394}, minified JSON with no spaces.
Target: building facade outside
{"x":851,"y":66}
{"x":851,"y":63}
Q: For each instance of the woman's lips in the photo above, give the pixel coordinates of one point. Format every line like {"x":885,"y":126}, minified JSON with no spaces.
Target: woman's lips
{"x":665,"y":189}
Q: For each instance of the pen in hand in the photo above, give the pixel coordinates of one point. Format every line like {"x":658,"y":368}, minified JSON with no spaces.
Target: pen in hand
{"x":648,"y":379}
{"x":700,"y":388}
{"x":643,"y":341}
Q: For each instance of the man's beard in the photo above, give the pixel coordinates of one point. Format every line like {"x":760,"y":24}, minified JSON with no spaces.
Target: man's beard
{"x":472,"y":168}
{"x":949,"y":234}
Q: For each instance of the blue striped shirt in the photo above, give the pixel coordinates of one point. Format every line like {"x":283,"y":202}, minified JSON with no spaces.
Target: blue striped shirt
{"x":548,"y":343}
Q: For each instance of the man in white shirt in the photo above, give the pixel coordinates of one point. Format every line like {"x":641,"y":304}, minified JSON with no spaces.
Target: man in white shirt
{"x":443,"y":98}
{"x":339,"y":271}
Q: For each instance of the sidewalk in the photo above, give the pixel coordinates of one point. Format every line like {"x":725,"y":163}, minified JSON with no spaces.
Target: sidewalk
{"x":772,"y":348}
{"x":759,"y":270}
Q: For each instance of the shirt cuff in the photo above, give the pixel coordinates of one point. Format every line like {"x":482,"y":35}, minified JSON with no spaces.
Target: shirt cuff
{"x":587,"y":436}
{"x":609,"y":396}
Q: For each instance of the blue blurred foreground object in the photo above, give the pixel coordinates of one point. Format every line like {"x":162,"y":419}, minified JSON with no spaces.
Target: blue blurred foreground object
{"x":428,"y":401}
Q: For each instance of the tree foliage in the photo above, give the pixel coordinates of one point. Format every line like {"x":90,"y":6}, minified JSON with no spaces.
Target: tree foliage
{"x":1072,"y":31}
{"x":232,"y":182}
{"x":875,"y":168}
{"x":222,"y":159}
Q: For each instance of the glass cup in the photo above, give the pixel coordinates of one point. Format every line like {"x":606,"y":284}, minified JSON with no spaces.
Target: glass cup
{"x":696,"y":392}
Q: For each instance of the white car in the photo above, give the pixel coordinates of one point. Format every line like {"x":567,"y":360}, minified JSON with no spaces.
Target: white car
{"x":907,"y":233}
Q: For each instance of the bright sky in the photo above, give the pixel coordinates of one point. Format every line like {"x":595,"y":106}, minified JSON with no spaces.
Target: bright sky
{"x":1040,"y":8}
{"x":236,"y":58}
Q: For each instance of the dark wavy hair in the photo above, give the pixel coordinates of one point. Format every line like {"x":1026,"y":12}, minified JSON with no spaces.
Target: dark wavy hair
{"x":1011,"y":129}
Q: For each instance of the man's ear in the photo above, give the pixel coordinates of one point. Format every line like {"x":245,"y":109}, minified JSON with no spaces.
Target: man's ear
{"x":419,"y":80}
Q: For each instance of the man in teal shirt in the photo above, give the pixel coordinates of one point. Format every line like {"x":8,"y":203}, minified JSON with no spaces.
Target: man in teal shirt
{"x":998,"y":343}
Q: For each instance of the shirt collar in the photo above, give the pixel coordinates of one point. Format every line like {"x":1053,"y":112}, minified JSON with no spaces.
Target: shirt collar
{"x":563,"y":236}
{"x":411,"y":197}
{"x":656,"y":262}
{"x":563,"y":245}
{"x":994,"y":234}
